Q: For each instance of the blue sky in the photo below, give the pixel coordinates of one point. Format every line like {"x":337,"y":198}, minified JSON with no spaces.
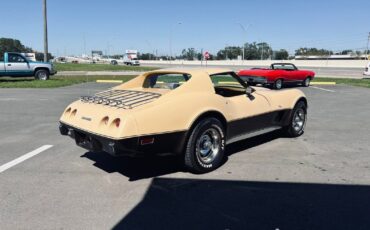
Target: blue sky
{"x":115,"y":25}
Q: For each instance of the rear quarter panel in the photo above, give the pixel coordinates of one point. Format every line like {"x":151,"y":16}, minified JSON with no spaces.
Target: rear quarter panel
{"x":177,"y":113}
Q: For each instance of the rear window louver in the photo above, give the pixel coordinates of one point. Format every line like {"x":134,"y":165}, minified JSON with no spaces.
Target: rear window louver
{"x":125,"y":99}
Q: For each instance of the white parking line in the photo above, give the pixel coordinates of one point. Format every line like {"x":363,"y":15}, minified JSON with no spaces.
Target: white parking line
{"x":327,"y":90}
{"x":23,"y":158}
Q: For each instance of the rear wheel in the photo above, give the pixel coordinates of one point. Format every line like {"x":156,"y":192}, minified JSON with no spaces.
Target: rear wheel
{"x":278,"y":84}
{"x":42,"y":74}
{"x":297,"y":121}
{"x":205,"y":147}
{"x":307,"y":82}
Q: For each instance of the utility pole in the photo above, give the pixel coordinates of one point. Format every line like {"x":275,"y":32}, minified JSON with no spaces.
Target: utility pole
{"x":245,"y":33}
{"x":367,"y":46}
{"x":45,"y":32}
{"x":170,"y":39}
{"x":263,"y":45}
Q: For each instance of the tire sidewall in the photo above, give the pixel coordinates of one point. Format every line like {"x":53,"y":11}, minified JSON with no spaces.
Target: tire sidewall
{"x":38,"y":77}
{"x":199,"y":166}
{"x":299,"y":105}
{"x":307,"y":82}
{"x":276,"y":85}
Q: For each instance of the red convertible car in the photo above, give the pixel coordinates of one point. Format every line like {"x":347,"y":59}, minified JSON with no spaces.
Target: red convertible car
{"x":277,"y":75}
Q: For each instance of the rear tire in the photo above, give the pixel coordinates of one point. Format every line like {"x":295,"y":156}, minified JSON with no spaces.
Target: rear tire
{"x":278,"y":84}
{"x":297,"y":121}
{"x":205,"y":147}
{"x":42,"y":75}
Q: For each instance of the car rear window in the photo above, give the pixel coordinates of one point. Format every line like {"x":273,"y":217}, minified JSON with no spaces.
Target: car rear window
{"x":166,"y":81}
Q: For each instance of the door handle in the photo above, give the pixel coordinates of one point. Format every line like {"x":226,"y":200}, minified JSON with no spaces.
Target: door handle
{"x":9,"y":64}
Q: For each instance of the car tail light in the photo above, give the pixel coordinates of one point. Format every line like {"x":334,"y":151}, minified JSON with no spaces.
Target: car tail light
{"x":146,"y":140}
{"x":74,"y":112}
{"x":117,"y":122}
{"x":68,"y":110}
{"x":105,"y":120}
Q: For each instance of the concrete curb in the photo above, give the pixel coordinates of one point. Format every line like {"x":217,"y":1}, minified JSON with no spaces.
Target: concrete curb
{"x":324,"y":83}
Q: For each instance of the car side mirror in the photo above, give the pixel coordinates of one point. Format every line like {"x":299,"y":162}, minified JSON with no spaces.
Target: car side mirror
{"x":249,"y":91}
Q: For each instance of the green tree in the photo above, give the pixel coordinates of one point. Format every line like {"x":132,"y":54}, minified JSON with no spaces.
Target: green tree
{"x":229,"y":52}
{"x":345,"y":52}
{"x":304,"y":51}
{"x":146,"y":56}
{"x":189,"y":54}
{"x":281,"y":54}
{"x":264,"y":50}
{"x":12,"y":45}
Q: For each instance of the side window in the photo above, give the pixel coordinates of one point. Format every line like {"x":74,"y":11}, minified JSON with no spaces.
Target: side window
{"x":228,"y":85}
{"x":15,"y":58}
{"x":165,"y":81}
{"x":224,"y":79}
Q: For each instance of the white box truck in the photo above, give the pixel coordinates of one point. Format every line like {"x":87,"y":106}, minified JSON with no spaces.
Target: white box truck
{"x":130,"y":58}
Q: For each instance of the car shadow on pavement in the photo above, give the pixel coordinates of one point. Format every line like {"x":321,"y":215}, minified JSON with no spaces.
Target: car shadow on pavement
{"x":219,"y":204}
{"x":136,"y":168}
{"x":148,"y":167}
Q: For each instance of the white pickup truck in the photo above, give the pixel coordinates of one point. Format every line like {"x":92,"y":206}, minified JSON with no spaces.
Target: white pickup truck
{"x":17,"y":65}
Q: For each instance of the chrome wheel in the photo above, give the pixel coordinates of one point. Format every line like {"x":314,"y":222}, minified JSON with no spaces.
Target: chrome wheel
{"x":278,"y":84}
{"x":299,"y":120}
{"x":307,"y":82}
{"x":42,"y":76}
{"x":208,"y":145}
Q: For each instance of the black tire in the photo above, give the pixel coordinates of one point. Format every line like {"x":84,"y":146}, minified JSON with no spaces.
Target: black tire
{"x":278,"y":84}
{"x":208,"y":134}
{"x":113,"y":62}
{"x":42,"y":75}
{"x":296,"y":126}
{"x":306,"y":82}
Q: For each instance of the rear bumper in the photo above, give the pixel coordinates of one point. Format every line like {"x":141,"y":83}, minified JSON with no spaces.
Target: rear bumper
{"x":166,"y":143}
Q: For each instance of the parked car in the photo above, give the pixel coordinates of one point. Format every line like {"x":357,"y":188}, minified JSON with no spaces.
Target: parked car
{"x":17,"y":65}
{"x":191,"y":112}
{"x":367,"y":70}
{"x":277,"y":75}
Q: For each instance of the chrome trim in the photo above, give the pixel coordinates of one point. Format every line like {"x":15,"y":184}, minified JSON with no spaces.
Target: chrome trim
{"x":252,"y":134}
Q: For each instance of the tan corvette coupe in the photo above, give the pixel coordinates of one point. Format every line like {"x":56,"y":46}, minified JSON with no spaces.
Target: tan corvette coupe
{"x":193,"y":112}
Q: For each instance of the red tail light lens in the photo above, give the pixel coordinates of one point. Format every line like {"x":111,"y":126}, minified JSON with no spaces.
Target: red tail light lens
{"x":117,"y":122}
{"x":105,"y":120}
{"x":74,"y":112}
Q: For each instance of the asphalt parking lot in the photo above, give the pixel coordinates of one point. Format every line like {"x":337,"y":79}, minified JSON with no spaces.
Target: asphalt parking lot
{"x":320,"y":180}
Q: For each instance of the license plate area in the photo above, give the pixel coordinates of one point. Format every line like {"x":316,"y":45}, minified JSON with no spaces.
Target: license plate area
{"x":87,"y":142}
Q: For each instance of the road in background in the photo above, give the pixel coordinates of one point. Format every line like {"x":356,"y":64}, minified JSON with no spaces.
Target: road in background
{"x":332,"y":72}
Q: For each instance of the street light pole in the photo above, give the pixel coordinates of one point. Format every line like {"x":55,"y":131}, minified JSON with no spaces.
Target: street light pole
{"x":245,"y":31}
{"x":45,"y":32}
{"x":170,"y":40}
{"x":367,"y":46}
